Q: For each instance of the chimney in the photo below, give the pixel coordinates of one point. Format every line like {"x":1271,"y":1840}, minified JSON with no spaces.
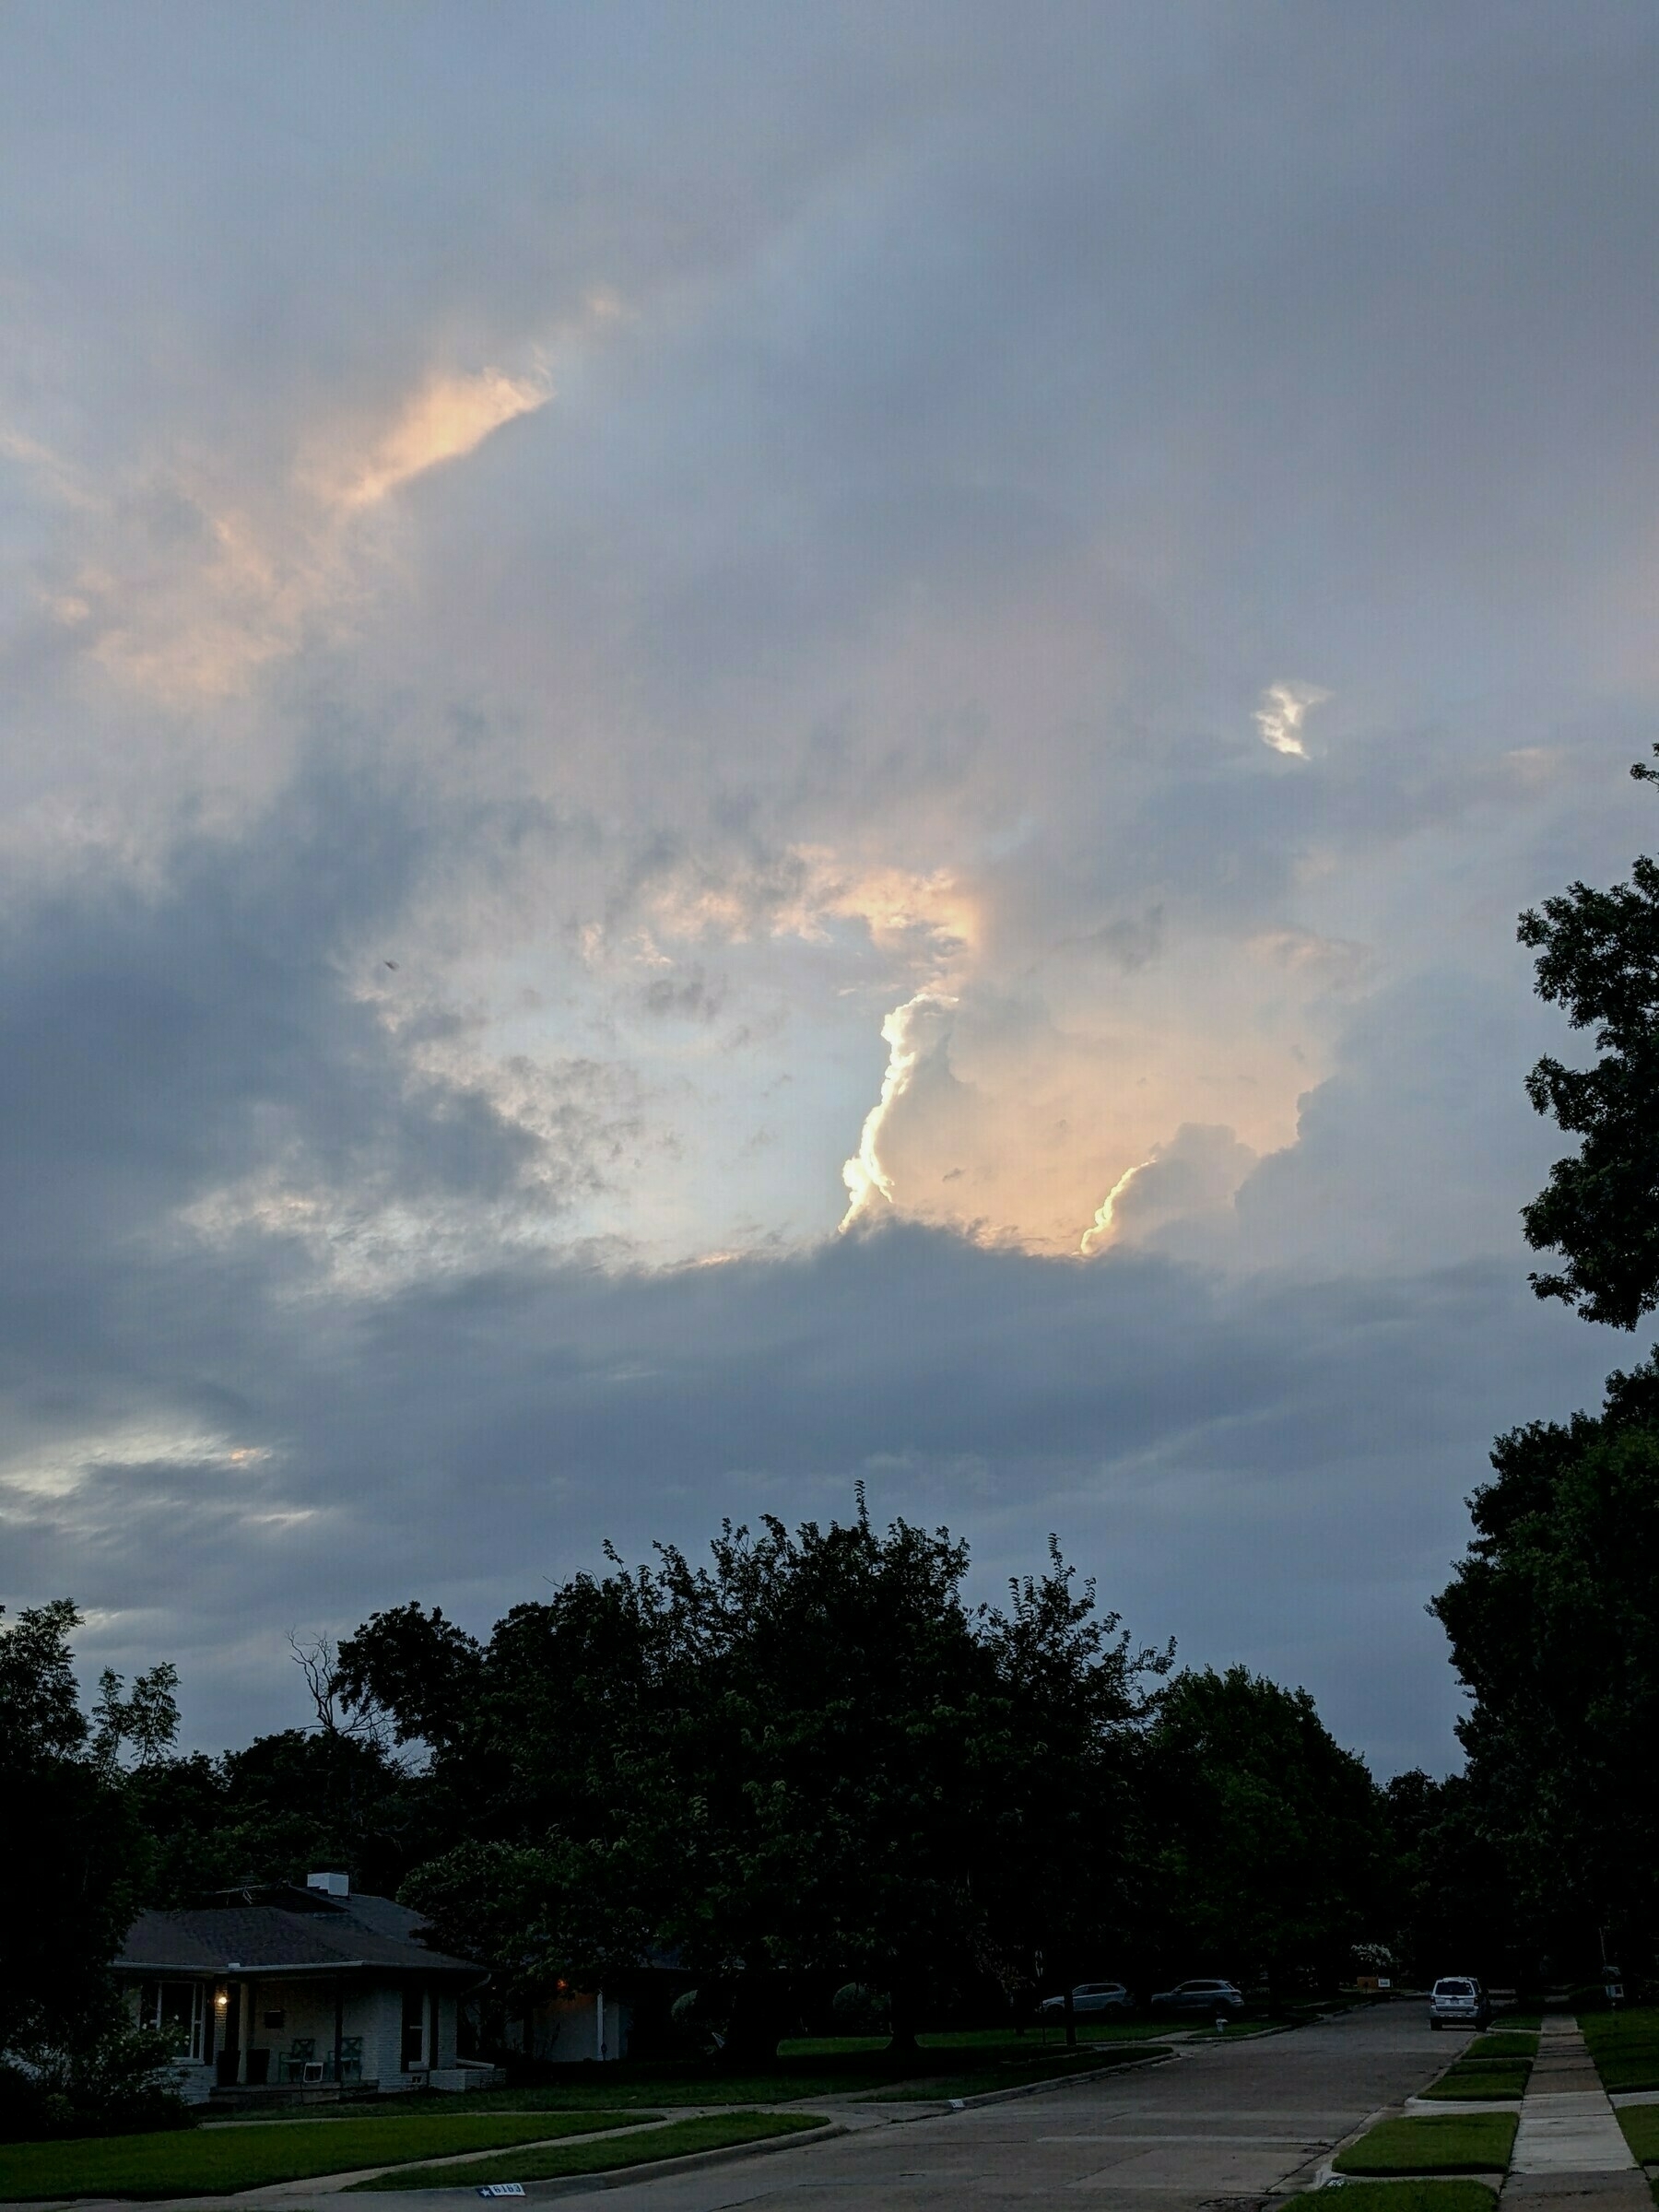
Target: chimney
{"x":331,"y":1885}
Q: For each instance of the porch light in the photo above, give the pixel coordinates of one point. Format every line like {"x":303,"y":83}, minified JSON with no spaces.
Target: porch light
{"x":221,"y":2001}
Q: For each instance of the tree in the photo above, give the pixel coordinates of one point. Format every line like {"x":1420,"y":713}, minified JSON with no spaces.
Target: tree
{"x":72,"y":1863}
{"x":1075,"y":1702}
{"x":1453,"y":1896}
{"x":1270,"y":1847}
{"x":1553,"y":1617}
{"x":1598,"y":956}
{"x":806,"y":1762}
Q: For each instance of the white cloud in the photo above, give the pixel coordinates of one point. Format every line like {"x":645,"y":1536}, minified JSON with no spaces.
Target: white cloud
{"x":1283,"y":711}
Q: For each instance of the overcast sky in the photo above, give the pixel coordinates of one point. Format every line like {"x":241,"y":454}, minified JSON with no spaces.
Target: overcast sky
{"x":747,"y":747}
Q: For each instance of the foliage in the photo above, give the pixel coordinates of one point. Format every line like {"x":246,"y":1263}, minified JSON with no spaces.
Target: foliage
{"x":1553,"y":1617}
{"x":1268,"y":1844}
{"x":1598,"y":957}
{"x":72,"y":1871}
{"x":1452,"y":1904}
{"x":721,"y":2131}
{"x":807,"y":1759}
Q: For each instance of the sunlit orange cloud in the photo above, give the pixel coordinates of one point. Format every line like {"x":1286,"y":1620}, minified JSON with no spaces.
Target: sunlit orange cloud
{"x":447,"y":418}
{"x":1024,"y":1124}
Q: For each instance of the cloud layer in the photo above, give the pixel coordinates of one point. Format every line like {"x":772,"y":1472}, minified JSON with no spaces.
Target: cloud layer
{"x":602,"y":614}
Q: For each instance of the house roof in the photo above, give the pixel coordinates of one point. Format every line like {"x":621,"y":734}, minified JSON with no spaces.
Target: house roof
{"x":274,"y":1932}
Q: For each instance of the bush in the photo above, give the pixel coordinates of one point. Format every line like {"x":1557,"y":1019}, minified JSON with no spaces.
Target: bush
{"x":860,"y":2010}
{"x":122,"y":2084}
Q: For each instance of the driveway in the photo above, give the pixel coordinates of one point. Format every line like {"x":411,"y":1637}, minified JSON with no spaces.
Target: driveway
{"x":1222,"y":2121}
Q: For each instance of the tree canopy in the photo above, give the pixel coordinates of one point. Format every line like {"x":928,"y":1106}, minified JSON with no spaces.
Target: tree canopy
{"x":1598,"y":957}
{"x":1553,"y":1617}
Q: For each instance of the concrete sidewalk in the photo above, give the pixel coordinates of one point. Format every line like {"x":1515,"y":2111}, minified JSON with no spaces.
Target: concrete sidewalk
{"x":1571,"y":2155}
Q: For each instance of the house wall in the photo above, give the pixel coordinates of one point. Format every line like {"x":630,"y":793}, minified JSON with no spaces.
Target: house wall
{"x":568,"y":2029}
{"x":373,"y":2011}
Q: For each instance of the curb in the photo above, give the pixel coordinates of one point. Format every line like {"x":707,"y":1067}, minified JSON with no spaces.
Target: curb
{"x":691,"y":2161}
{"x":935,"y":2108}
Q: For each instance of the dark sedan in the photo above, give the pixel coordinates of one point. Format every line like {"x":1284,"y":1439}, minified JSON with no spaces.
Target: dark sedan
{"x":1209,"y":1998}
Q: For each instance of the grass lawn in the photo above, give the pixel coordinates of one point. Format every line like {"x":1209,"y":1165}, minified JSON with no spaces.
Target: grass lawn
{"x":1001,"y":2039}
{"x":1434,"y":2143}
{"x":1625,"y":2046}
{"x":1011,"y":2076}
{"x":1503,"y":2043}
{"x":720,"y":2131}
{"x":1641,"y":2124}
{"x":1477,"y":2082}
{"x":1401,"y":2197}
{"x":216,"y":2161}
{"x":653,"y":2083}
{"x":1483,"y":2077}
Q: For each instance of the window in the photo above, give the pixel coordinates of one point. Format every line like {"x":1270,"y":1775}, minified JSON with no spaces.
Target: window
{"x":414,"y":2028}
{"x":175,"y":2008}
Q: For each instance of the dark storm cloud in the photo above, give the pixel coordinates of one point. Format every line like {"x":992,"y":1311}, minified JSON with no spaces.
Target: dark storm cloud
{"x":1208,"y":1447}
{"x":971,"y":410}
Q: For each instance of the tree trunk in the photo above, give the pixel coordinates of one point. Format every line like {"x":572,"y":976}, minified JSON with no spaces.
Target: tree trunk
{"x":903,"y":2002}
{"x":1071,"y":2021}
{"x":759,"y":2017}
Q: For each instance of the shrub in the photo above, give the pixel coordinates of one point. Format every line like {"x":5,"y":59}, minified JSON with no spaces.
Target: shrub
{"x":860,"y":2010}
{"x":121,"y":2084}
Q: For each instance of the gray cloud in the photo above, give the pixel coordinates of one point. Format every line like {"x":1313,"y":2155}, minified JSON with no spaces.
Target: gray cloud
{"x":946,"y":426}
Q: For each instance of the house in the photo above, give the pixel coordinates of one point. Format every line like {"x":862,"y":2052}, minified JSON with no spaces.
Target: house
{"x":276,"y":1988}
{"x":628,"y":2017}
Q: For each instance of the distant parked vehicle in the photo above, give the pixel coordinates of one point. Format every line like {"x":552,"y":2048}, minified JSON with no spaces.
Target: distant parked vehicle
{"x":1092,"y":1997}
{"x":1458,"y":2001}
{"x":1210,"y":1998}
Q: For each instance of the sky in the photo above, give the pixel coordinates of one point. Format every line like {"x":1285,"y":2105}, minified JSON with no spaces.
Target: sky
{"x":747,"y":750}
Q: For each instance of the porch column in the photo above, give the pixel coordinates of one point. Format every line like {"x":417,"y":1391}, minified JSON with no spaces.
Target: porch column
{"x":339,"y":2029}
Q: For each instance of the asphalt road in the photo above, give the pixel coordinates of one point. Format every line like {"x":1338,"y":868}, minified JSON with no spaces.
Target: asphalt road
{"x":1224,"y":2121}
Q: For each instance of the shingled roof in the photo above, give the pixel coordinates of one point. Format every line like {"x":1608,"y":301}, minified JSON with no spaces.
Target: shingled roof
{"x":286,"y":1932}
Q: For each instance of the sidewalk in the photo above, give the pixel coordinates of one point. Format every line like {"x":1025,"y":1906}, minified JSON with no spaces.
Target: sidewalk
{"x":1571,"y":2155}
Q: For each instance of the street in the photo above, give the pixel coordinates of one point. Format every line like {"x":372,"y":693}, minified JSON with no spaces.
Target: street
{"x":1223,"y":2121}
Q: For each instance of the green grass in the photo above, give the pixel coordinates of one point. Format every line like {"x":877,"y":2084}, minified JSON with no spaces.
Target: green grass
{"x":1625,"y":2046}
{"x":721,"y":2131}
{"x":1503,"y":2043}
{"x":1092,"y":2030}
{"x":930,"y":2087}
{"x":1400,"y":2197}
{"x":655,"y":2083}
{"x":218,"y":2161}
{"x":643,"y":2090}
{"x":1476,"y":2083}
{"x":1641,"y":2124}
{"x":1434,"y":2143}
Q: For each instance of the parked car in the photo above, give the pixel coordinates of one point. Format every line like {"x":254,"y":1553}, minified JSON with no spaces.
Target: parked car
{"x":1092,"y":1997}
{"x":1458,"y":2001}
{"x":1209,"y":1998}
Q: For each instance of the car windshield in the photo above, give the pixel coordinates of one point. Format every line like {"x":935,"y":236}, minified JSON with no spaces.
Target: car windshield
{"x":1454,"y":1989}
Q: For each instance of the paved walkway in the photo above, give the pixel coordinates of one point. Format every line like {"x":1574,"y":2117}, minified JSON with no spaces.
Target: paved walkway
{"x":1571,"y":2155}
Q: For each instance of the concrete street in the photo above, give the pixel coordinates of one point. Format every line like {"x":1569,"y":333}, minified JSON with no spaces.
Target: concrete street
{"x":1222,"y":2122}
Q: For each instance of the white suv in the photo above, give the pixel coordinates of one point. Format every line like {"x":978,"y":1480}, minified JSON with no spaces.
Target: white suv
{"x":1458,"y":2001}
{"x":1092,"y":1997}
